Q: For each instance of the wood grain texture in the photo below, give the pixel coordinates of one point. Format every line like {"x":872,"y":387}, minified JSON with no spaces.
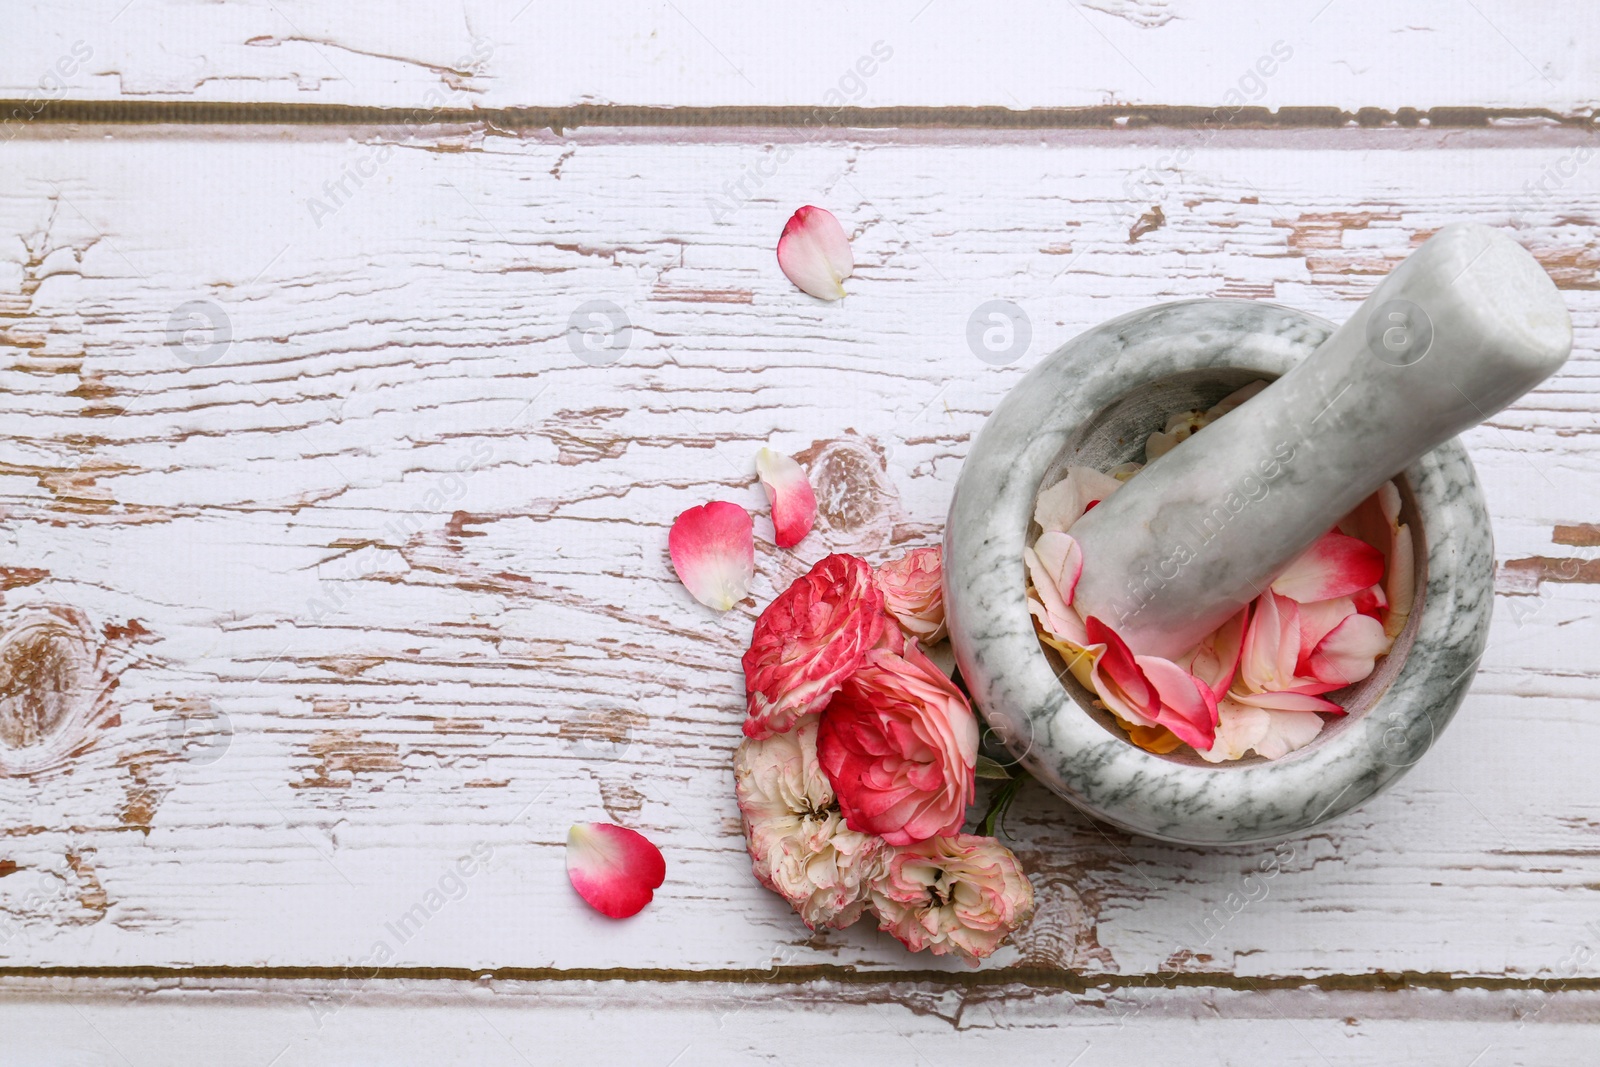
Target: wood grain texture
{"x":1348,"y":54}
{"x":294,"y":624}
{"x":507,"y":1024}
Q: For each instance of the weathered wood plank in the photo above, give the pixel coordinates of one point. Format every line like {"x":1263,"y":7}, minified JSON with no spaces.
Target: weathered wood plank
{"x":1349,"y":54}
{"x":294,"y":1023}
{"x":384,"y":581}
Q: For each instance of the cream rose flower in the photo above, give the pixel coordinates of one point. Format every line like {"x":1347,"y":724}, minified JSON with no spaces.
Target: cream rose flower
{"x":799,"y":845}
{"x":960,"y":894}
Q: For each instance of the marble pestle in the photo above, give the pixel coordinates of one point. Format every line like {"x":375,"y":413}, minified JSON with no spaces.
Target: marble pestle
{"x":1464,"y":326}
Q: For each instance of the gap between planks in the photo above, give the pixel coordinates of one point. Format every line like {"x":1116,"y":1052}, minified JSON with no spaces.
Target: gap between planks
{"x":1035,"y":978}
{"x":561,"y":119}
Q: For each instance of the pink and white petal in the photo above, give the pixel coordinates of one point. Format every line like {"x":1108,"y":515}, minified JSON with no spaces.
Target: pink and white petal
{"x":1116,"y":700}
{"x":1312,"y":687}
{"x":1059,"y":618}
{"x":1240,"y":728}
{"x":1063,"y":559}
{"x":1318,"y":618}
{"x":1271,"y":643}
{"x":1287,"y":731}
{"x":1336,"y":565}
{"x":1400,"y":585}
{"x":1216,"y":660}
{"x":1373,"y":601}
{"x":613,"y":868}
{"x":1037,"y":609}
{"x":1388,"y":495}
{"x":1064,"y":503}
{"x":1188,"y":708}
{"x":1349,"y":651}
{"x":794,"y":503}
{"x":814,"y":253}
{"x":713,"y":550}
{"x":1118,"y":678}
{"x":1159,"y":444}
{"x":1044,"y":584}
{"x":1287,"y":702}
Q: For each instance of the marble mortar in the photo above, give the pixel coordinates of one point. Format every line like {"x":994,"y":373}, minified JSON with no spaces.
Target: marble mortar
{"x":1093,"y":402}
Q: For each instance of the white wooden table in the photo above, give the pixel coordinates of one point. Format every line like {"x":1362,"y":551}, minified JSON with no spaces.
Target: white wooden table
{"x":328,"y":558}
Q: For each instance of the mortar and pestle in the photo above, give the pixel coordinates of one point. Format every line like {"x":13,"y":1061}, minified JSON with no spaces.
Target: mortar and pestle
{"x":1463,"y":327}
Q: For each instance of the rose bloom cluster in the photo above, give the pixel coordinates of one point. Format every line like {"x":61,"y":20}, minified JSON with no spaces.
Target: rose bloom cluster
{"x":1261,"y":682}
{"x":859,"y":762}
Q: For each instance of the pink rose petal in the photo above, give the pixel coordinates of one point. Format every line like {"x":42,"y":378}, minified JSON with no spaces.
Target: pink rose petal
{"x":1400,"y":584}
{"x":613,"y":868}
{"x":1374,"y":602}
{"x":1188,"y":707}
{"x":1349,"y":651}
{"x":1336,"y":566}
{"x":1317,"y":620}
{"x":1287,"y":731}
{"x":815,"y":254}
{"x":1117,"y":677}
{"x":714,"y":552}
{"x":1216,"y":661}
{"x":1054,"y":564}
{"x":1287,"y":702}
{"x":794,"y":504}
{"x":1271,"y":643}
{"x":1068,"y":500}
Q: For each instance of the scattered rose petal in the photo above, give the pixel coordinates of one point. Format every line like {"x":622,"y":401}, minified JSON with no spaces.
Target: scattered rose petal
{"x":1286,"y":701}
{"x":1216,"y":661}
{"x":1185,"y":424}
{"x":1064,"y":503}
{"x":794,"y":504}
{"x":1377,"y":522}
{"x":1157,"y":739}
{"x":1188,"y":707}
{"x":1374,"y":602}
{"x":1400,"y":585}
{"x":1054,"y":563}
{"x":714,"y":552}
{"x":1240,"y":728}
{"x":815,"y":254}
{"x":1287,"y":731}
{"x":1336,"y":566}
{"x":1151,"y":691}
{"x":613,"y":868}
{"x":1117,"y":678}
{"x":1350,"y":650}
{"x":1271,"y":644}
{"x":1317,"y":620}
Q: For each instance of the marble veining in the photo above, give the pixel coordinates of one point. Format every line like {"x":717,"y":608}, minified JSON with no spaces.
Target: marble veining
{"x":1015,"y":685}
{"x":1438,"y":347}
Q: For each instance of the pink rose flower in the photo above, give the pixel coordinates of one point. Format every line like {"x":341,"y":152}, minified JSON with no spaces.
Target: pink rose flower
{"x":799,"y":845}
{"x":899,"y":744}
{"x":913,"y":593}
{"x":959,"y":894}
{"x":808,"y":642}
